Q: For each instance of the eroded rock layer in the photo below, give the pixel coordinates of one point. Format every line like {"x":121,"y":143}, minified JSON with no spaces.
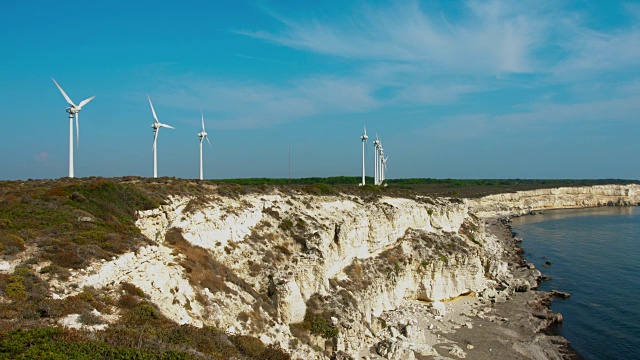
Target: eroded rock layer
{"x":309,"y":273}
{"x":523,"y":202}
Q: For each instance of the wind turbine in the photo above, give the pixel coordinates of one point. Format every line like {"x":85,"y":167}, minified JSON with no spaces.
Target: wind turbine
{"x":384,"y":168}
{"x":376,"y":154}
{"x":380,"y":164}
{"x":73,"y":109}
{"x":202,"y":135}
{"x":364,"y":140}
{"x":156,"y":127}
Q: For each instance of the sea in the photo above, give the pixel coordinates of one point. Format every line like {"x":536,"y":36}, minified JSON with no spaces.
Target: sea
{"x":593,"y":254}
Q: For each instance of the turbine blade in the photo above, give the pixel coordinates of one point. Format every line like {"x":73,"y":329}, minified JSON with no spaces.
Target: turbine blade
{"x":209,"y":141}
{"x":85,"y":101}
{"x":365,"y":130}
{"x":167,"y":126}
{"x":66,"y":97}
{"x":202,"y":120}
{"x":152,"y":109}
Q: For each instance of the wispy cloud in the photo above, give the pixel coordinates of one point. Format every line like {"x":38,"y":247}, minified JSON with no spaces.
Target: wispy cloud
{"x":590,"y":51}
{"x":413,"y":54}
{"x":240,"y":105}
{"x":493,"y":37}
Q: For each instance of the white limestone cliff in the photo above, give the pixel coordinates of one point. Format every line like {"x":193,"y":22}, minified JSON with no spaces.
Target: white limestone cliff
{"x":295,"y":247}
{"x":523,"y":202}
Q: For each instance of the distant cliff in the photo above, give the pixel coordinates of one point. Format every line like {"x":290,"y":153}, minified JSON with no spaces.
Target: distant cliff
{"x":523,"y":202}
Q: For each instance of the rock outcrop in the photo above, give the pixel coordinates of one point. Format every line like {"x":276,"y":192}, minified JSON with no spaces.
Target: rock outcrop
{"x":524,"y":202}
{"x":320,"y":269}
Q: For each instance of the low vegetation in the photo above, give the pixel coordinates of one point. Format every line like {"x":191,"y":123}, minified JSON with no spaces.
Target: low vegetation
{"x":50,"y":228}
{"x":166,"y":341}
{"x":468,"y":188}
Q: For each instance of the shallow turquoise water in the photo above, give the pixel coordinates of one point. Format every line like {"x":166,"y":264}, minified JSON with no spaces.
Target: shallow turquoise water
{"x":595,"y":256}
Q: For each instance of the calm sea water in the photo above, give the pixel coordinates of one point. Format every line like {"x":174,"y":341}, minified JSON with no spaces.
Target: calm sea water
{"x":595,"y":256}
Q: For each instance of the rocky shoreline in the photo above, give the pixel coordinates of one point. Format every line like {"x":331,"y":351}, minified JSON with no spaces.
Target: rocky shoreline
{"x":514,"y":323}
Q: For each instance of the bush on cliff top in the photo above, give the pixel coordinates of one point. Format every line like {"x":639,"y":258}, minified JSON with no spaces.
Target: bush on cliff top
{"x":57,"y":343}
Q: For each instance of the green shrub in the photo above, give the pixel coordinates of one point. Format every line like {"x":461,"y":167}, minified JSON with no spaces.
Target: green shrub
{"x":286,"y":225}
{"x":86,"y":296}
{"x":143,"y":312}
{"x":5,"y":224}
{"x":55,"y":343}
{"x":89,"y":318}
{"x":11,"y":244}
{"x":60,"y":272}
{"x":16,"y":289}
{"x":132,"y":289}
{"x":248,"y":345}
{"x":319,"y":326}
{"x":320,"y":189}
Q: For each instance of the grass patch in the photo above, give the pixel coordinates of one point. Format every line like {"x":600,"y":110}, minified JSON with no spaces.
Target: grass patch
{"x":202,"y":269}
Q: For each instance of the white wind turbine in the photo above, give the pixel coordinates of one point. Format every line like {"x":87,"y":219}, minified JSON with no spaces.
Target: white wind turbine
{"x":156,"y":127}
{"x":202,"y":135}
{"x":384,"y":168}
{"x":376,"y":166}
{"x":380,"y":164}
{"x":364,"y":140}
{"x":73,"y":109}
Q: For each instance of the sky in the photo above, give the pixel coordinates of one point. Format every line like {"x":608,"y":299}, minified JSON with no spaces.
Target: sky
{"x":454,"y":89}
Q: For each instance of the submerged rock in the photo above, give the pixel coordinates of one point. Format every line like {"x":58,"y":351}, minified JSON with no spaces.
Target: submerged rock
{"x":560,"y":294}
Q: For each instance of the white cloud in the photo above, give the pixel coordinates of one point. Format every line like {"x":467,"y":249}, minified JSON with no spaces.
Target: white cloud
{"x":618,"y":109}
{"x":494,"y":37}
{"x":410,"y":54}
{"x":255,"y":104}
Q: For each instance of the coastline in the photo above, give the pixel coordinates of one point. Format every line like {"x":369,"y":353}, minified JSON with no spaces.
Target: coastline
{"x":510,"y":324}
{"x":539,"y":306}
{"x":392,"y":277}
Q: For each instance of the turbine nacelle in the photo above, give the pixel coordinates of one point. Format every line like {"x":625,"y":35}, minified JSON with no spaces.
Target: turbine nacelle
{"x":202,"y":135}
{"x":73,"y":110}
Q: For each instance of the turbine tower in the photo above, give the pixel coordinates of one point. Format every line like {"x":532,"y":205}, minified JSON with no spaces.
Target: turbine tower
{"x":364,"y":140}
{"x":380,"y":164}
{"x":156,"y":127}
{"x":376,"y":146}
{"x":202,"y":135}
{"x":384,"y":168}
{"x":73,"y":109}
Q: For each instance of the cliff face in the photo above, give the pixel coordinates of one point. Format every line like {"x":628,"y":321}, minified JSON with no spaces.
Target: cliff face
{"x":523,"y":202}
{"x":329,"y":265}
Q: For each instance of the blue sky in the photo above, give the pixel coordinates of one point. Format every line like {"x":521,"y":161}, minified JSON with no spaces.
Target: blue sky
{"x":468,"y":89}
